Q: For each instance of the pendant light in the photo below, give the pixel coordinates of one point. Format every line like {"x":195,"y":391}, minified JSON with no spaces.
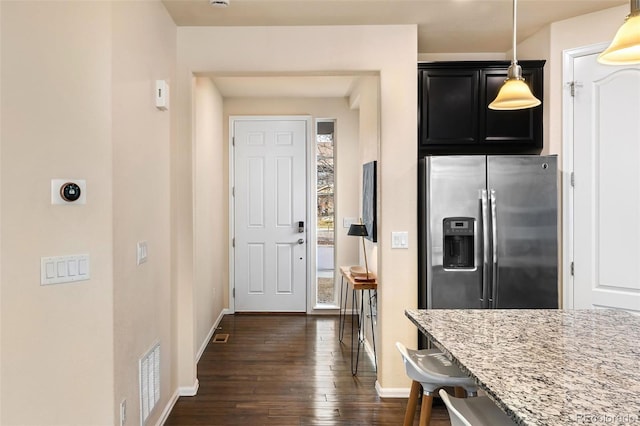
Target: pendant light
{"x":625,"y":47}
{"x":514,"y":93}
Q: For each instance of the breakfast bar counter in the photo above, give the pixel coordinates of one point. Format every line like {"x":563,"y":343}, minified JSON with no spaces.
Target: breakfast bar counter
{"x":546,"y":367}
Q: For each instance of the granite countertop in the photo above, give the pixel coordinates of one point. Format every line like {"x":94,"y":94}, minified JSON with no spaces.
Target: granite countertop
{"x":546,"y":367}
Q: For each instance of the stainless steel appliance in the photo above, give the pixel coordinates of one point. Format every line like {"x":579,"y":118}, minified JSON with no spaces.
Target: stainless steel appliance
{"x":490,"y":232}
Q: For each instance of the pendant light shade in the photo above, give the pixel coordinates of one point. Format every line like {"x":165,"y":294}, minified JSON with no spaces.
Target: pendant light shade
{"x":515,"y":92}
{"x":625,"y":47}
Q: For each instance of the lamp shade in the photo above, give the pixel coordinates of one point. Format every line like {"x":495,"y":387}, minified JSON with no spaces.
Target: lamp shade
{"x":625,"y":47}
{"x":358,"y":230}
{"x":514,"y":93}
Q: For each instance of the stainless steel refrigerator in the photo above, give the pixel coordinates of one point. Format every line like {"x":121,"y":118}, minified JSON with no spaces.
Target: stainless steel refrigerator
{"x":490,"y":231}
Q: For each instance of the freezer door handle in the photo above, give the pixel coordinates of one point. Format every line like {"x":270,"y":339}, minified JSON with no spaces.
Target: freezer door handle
{"x":493,"y":299}
{"x":486,"y":249}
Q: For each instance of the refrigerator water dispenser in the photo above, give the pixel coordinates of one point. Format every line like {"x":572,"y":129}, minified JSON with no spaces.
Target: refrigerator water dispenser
{"x":458,"y":233}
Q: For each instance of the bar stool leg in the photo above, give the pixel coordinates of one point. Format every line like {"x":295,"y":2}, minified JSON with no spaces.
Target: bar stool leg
{"x":412,"y":403}
{"x":425,"y":409}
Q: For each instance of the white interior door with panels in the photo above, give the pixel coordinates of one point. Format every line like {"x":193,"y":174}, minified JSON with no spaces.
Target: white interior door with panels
{"x":602,"y":148}
{"x":270,"y":214}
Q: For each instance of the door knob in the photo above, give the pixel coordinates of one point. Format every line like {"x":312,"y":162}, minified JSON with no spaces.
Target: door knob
{"x":300,"y":241}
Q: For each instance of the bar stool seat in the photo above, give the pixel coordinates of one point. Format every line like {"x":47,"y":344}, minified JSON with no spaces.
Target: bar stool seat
{"x":479,"y":411}
{"x":432,"y":370}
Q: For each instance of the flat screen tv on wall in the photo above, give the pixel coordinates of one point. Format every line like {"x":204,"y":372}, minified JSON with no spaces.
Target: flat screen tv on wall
{"x":369,"y":201}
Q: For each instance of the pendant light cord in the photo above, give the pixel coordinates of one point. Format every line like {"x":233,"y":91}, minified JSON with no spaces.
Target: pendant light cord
{"x":515,"y":8}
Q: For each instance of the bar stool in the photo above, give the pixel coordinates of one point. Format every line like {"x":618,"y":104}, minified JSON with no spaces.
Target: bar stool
{"x":430,"y":369}
{"x":479,"y":411}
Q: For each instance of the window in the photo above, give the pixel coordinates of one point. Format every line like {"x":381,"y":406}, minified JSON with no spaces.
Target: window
{"x":325,"y":202}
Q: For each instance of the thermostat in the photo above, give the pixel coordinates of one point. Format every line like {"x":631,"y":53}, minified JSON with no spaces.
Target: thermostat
{"x":68,"y":191}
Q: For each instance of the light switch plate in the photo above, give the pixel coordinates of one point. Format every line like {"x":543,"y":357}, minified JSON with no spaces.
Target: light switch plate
{"x":162,"y":95}
{"x":141,"y":251}
{"x":64,"y":269}
{"x":399,"y":240}
{"x":348,"y":221}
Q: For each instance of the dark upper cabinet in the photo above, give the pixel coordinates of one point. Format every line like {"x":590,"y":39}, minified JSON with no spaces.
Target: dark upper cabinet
{"x":453,"y":113}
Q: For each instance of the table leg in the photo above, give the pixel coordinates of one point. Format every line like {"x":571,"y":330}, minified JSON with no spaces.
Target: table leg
{"x":343,"y":311}
{"x":355,"y":339}
{"x":373,"y":333}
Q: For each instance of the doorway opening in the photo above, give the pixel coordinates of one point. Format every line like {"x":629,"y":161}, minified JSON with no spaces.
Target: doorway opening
{"x":325,"y":216}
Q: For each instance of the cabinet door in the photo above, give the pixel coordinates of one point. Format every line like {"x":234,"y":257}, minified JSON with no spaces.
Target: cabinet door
{"x":449,"y":107}
{"x":515,"y":128}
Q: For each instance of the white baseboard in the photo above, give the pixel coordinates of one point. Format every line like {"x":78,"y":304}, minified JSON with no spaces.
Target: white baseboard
{"x":189,"y":390}
{"x":168,"y":408}
{"x":391,"y":392}
{"x":181,"y":391}
{"x":214,"y":327}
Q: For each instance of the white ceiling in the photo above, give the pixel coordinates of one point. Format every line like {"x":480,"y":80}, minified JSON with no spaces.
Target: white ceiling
{"x":444,"y":26}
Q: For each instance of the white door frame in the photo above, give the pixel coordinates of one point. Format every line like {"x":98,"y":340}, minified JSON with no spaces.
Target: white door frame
{"x":310,"y":225}
{"x":568,"y":57}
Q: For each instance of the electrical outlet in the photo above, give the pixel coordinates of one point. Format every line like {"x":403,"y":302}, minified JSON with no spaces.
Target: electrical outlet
{"x":123,"y":412}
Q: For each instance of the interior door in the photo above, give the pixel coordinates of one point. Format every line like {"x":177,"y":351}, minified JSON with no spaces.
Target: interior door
{"x":270,"y":215}
{"x":606,"y":159}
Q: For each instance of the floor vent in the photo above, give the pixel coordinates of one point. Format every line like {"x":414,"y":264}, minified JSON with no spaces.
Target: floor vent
{"x":149,"y":366}
{"x":220,"y":338}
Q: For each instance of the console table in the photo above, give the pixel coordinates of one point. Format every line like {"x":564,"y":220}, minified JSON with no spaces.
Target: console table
{"x":356,"y":287}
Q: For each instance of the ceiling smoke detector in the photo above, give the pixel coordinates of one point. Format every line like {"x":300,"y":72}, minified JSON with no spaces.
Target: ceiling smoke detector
{"x":219,"y":3}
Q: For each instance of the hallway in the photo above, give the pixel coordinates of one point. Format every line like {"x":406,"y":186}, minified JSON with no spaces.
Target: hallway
{"x":287,"y":370}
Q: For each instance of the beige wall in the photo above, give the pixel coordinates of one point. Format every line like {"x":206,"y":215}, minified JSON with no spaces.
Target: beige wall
{"x":143,"y":50}
{"x":77,"y":102}
{"x":57,"y":341}
{"x":346,"y":154}
{"x":211,"y":201}
{"x":389,"y":50}
{"x":475,"y":56}
{"x":366,"y":96}
{"x":1,"y":258}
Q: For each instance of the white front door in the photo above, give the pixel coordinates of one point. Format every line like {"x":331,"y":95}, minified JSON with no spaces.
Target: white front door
{"x":269,"y":205}
{"x":606,"y":204}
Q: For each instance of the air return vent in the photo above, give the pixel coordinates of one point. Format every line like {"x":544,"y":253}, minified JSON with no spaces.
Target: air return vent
{"x":149,"y":366}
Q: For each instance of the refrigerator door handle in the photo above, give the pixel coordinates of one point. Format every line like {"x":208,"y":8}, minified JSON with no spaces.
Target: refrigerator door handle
{"x":493,"y":299}
{"x":486,"y":248}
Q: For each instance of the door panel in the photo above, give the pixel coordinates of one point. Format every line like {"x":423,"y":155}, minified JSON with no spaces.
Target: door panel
{"x":453,"y":190}
{"x":607,"y":185}
{"x":270,"y":199}
{"x":524,"y":189}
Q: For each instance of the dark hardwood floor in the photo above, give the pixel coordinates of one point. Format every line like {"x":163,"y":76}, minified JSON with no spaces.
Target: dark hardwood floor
{"x":287,"y":370}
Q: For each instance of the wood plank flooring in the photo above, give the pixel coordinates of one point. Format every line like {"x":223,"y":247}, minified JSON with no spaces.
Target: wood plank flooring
{"x":287,"y":370}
